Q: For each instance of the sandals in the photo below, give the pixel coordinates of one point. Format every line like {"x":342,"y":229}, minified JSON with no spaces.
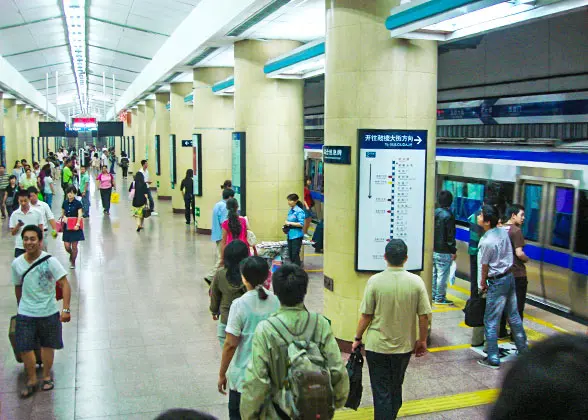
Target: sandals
{"x":28,"y":391}
{"x":48,"y":382}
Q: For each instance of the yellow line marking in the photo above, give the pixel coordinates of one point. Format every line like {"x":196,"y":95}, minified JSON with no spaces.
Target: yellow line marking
{"x":527,"y":316}
{"x":449,"y":348}
{"x":318,"y":270}
{"x":313,"y":255}
{"x":428,"y":405}
{"x":546,"y":324}
{"x":451,"y":308}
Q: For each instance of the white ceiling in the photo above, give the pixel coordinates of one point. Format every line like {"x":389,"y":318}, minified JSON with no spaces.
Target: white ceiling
{"x":123,"y":36}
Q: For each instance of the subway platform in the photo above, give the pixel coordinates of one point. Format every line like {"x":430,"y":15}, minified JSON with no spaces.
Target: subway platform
{"x":142,"y":339}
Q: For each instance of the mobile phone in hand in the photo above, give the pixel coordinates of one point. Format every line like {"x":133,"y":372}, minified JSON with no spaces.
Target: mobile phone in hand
{"x":20,"y":222}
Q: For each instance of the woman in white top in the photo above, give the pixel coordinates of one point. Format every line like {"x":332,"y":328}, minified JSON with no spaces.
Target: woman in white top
{"x":48,"y":188}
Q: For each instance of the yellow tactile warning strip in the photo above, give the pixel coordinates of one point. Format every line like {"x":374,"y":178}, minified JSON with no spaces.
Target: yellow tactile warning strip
{"x":318,"y":270}
{"x":428,"y":405}
{"x":448,"y":348}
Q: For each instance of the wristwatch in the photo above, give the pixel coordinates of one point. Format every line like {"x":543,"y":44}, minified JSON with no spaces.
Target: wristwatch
{"x":65,"y":311}
{"x":357,"y":338}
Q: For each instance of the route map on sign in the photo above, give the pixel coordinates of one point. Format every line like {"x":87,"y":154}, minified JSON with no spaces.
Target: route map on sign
{"x":392,"y":168}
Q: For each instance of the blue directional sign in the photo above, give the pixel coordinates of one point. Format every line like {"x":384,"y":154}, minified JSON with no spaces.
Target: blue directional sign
{"x":392,"y":172}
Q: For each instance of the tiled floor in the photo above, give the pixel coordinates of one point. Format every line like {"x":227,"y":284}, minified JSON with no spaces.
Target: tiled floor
{"x":142,"y":340}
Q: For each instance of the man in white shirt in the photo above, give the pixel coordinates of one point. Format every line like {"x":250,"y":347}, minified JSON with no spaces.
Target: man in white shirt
{"x":23,"y":216}
{"x":46,"y":213}
{"x":145,"y":172}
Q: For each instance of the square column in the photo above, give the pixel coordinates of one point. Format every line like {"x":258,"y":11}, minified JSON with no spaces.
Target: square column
{"x":182,"y":126}
{"x":371,"y":82}
{"x":214,"y":119}
{"x":162,"y":130}
{"x":271,"y":113}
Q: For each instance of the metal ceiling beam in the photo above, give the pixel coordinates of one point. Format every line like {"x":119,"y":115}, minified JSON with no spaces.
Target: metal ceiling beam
{"x":119,"y":52}
{"x":113,"y":67}
{"x":34,"y":51}
{"x":134,"y":28}
{"x":32,"y":22}
{"x":45,"y":66}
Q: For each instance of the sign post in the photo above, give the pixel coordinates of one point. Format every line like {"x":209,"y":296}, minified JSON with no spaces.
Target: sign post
{"x":238,"y":170}
{"x":392,"y":166}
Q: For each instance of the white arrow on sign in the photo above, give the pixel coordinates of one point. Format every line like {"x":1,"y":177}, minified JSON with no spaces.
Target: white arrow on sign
{"x":418,"y":140}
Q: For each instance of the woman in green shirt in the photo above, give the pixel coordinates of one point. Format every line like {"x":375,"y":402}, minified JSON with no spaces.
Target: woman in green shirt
{"x":227,"y":285}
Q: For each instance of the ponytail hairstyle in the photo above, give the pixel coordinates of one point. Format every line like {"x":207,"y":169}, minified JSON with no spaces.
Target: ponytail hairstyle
{"x":233,"y":217}
{"x":294,"y":197}
{"x":235,"y":252}
{"x":227,"y":184}
{"x":255,"y":271}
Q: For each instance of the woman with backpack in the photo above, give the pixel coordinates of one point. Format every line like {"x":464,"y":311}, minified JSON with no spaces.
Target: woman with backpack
{"x":246,"y":312}
{"x":227,"y":286}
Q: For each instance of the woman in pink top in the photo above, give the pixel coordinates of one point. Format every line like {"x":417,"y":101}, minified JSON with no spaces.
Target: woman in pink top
{"x":106,"y":185}
{"x":235,"y":227}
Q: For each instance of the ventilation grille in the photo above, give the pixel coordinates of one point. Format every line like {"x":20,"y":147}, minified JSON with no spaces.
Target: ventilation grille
{"x":172,"y":77}
{"x":202,"y":56}
{"x":258,"y":17}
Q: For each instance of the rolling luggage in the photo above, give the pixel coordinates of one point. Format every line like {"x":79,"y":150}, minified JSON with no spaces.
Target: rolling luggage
{"x":12,"y":338}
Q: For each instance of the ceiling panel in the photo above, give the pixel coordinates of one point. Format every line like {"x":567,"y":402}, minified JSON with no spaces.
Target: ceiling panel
{"x":15,"y":40}
{"x":97,"y":78}
{"x":39,"y":73}
{"x":9,"y":14}
{"x":109,"y":70}
{"x":44,"y":12}
{"x":141,"y":44}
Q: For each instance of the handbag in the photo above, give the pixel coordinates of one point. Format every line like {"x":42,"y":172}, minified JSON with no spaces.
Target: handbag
{"x":59,"y":226}
{"x":146,"y":212}
{"x":286,"y":229}
{"x":474,"y":312}
{"x":354,"y":370}
{"x":251,"y":238}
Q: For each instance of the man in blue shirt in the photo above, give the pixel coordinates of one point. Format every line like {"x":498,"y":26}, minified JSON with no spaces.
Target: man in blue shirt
{"x":219,"y":215}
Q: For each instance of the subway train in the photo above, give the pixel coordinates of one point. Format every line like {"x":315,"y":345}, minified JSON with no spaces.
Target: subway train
{"x":550,"y":180}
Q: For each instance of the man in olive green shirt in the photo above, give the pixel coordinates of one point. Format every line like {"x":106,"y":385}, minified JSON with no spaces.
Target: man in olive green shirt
{"x":267,"y":369}
{"x":392,"y":301}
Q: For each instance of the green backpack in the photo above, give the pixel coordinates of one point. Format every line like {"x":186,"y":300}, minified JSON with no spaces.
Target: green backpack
{"x":307,"y":391}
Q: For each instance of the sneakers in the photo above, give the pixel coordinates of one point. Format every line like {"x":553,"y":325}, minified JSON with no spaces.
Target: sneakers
{"x":443,"y":302}
{"x":154,"y":213}
{"x":487,"y":363}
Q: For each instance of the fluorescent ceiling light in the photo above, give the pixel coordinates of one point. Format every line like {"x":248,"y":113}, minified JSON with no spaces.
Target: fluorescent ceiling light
{"x":472,"y":19}
{"x":75,"y":17}
{"x":483,"y":15}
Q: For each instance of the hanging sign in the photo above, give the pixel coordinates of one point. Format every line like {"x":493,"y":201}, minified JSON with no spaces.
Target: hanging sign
{"x":392,"y":166}
{"x":337,"y":154}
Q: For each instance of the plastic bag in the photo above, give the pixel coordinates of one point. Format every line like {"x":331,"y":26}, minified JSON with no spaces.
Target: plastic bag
{"x":115,"y":197}
{"x":452,"y":271}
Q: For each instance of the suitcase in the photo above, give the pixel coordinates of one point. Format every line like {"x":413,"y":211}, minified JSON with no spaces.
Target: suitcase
{"x":12,"y":338}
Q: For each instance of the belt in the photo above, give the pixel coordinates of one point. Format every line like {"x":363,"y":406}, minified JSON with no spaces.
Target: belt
{"x":499,"y":276}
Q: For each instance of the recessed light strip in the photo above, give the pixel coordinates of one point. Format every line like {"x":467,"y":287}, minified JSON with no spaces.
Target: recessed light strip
{"x":75,"y":17}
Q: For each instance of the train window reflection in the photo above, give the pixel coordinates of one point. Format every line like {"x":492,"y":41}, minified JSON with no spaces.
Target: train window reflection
{"x":582,"y":225}
{"x":467,"y":197}
{"x":562,"y":217}
{"x":533,"y":195}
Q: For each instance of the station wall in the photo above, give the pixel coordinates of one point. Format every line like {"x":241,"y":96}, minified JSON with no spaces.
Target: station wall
{"x":546,"y":56}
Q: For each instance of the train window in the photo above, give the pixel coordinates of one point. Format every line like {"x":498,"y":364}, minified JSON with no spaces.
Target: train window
{"x":467,"y":197}
{"x":533,"y":195}
{"x":562,"y":217}
{"x":582,"y":225}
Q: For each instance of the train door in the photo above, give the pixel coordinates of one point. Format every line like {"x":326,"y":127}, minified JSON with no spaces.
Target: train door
{"x":550,"y":230}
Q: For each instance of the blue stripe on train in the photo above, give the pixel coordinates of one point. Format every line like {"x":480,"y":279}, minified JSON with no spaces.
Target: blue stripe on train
{"x":569,"y":158}
{"x":537,"y":253}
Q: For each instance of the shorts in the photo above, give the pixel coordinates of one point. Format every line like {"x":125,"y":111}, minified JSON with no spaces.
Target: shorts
{"x":32,"y":330}
{"x":307,"y":214}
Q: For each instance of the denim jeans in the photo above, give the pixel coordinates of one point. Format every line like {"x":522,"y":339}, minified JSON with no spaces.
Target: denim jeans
{"x":294,"y":247}
{"x":441,"y":269}
{"x":501,"y":296}
{"x":48,"y":199}
{"x":150,"y":197}
{"x":234,"y":405}
{"x":221,"y":334}
{"x":86,"y":204}
{"x":386,"y":377}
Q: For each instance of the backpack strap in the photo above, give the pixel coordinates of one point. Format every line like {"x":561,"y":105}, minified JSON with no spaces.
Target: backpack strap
{"x":308,"y":332}
{"x":35,"y":264}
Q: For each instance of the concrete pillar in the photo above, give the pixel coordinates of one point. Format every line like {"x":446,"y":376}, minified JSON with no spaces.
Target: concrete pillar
{"x":214,"y":118}
{"x":271,"y":112}
{"x":1,"y":114}
{"x":149,"y":138}
{"x":134,"y":132}
{"x":371,"y":81}
{"x":140,"y":135}
{"x":22,"y":142}
{"x":10,"y":133}
{"x":162,"y":116}
{"x":180,"y":125}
